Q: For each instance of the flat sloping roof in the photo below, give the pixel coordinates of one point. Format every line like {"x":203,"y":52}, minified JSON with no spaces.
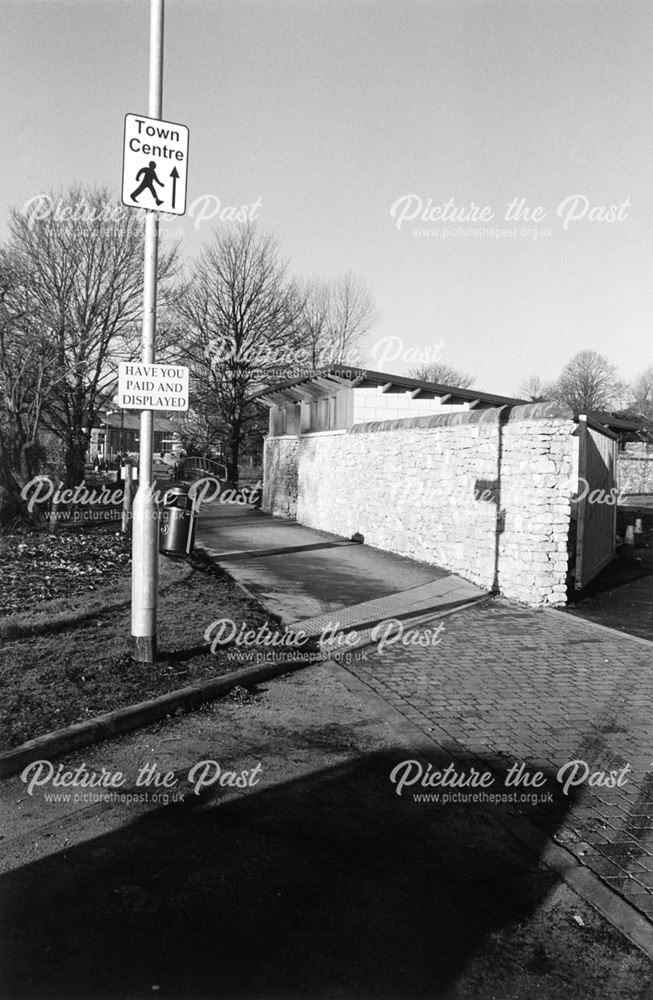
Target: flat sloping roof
{"x":636,"y":427}
{"x":328,"y":380}
{"x":616,"y":423}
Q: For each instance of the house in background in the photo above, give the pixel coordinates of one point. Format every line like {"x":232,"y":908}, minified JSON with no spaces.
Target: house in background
{"x":117,"y":431}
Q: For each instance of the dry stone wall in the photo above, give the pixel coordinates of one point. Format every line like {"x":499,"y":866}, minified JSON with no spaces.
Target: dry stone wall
{"x":485,"y":494}
{"x":280,"y":476}
{"x":635,"y":469}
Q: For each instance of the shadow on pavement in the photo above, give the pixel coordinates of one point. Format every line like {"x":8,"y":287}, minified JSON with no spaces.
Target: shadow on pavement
{"x":621,"y":596}
{"x":629,"y":565}
{"x":327,"y":886}
{"x":262,"y":553}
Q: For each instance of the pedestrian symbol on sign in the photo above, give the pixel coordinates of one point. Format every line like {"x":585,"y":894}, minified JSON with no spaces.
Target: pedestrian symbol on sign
{"x":147,"y":184}
{"x":148,"y":146}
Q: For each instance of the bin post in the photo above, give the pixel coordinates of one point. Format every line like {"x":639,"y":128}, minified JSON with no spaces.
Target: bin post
{"x":176,"y":533}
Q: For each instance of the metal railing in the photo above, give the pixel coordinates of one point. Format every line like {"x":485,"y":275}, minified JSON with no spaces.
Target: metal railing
{"x":195,"y":467}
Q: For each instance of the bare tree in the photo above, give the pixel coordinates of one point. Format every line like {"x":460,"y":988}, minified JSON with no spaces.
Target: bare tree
{"x":589,"y":382}
{"x":201,"y":429}
{"x":241,"y":320}
{"x":442,"y":374}
{"x":641,"y":393}
{"x":336,"y":315}
{"x":84,"y":265}
{"x":536,"y":390}
{"x":27,"y":377}
{"x":352,"y":313}
{"x":317,"y":349}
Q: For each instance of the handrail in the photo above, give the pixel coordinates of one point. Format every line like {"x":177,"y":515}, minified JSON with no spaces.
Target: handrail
{"x":194,"y":465}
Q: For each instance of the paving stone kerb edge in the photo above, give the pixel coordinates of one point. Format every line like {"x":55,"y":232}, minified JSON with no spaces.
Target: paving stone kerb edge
{"x":609,"y":631}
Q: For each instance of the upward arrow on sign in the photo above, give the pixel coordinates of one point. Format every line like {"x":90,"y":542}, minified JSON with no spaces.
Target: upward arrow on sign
{"x":150,"y":145}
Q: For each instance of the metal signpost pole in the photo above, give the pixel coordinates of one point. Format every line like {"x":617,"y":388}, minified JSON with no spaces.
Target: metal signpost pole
{"x":145,"y":541}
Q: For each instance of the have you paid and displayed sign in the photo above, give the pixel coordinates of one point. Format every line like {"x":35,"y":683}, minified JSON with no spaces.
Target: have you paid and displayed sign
{"x":152,"y":387}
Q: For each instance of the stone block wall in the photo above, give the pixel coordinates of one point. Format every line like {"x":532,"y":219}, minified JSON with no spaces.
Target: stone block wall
{"x":280,"y":476}
{"x":635,"y":469}
{"x":485,"y":494}
{"x":539,"y":476}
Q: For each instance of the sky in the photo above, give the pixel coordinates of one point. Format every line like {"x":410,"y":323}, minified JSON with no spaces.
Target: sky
{"x":342,"y":125}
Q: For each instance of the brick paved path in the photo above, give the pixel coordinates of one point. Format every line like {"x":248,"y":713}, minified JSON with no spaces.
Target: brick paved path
{"x":508,"y":684}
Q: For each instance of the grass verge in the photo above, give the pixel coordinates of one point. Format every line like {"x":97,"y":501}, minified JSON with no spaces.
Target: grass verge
{"x":80,"y":666}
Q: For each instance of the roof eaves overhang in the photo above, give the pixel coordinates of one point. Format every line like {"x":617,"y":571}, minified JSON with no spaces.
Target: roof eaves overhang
{"x":327,"y":380}
{"x":327,"y":383}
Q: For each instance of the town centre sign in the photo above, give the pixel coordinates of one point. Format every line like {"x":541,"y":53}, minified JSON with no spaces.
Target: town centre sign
{"x":152,"y":387}
{"x":147,"y":179}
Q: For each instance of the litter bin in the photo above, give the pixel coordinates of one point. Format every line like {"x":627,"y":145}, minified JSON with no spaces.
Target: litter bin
{"x":177,"y":522}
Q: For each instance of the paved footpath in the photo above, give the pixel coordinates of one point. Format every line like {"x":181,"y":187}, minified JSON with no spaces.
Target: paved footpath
{"x":504,"y":684}
{"x":508,"y":684}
